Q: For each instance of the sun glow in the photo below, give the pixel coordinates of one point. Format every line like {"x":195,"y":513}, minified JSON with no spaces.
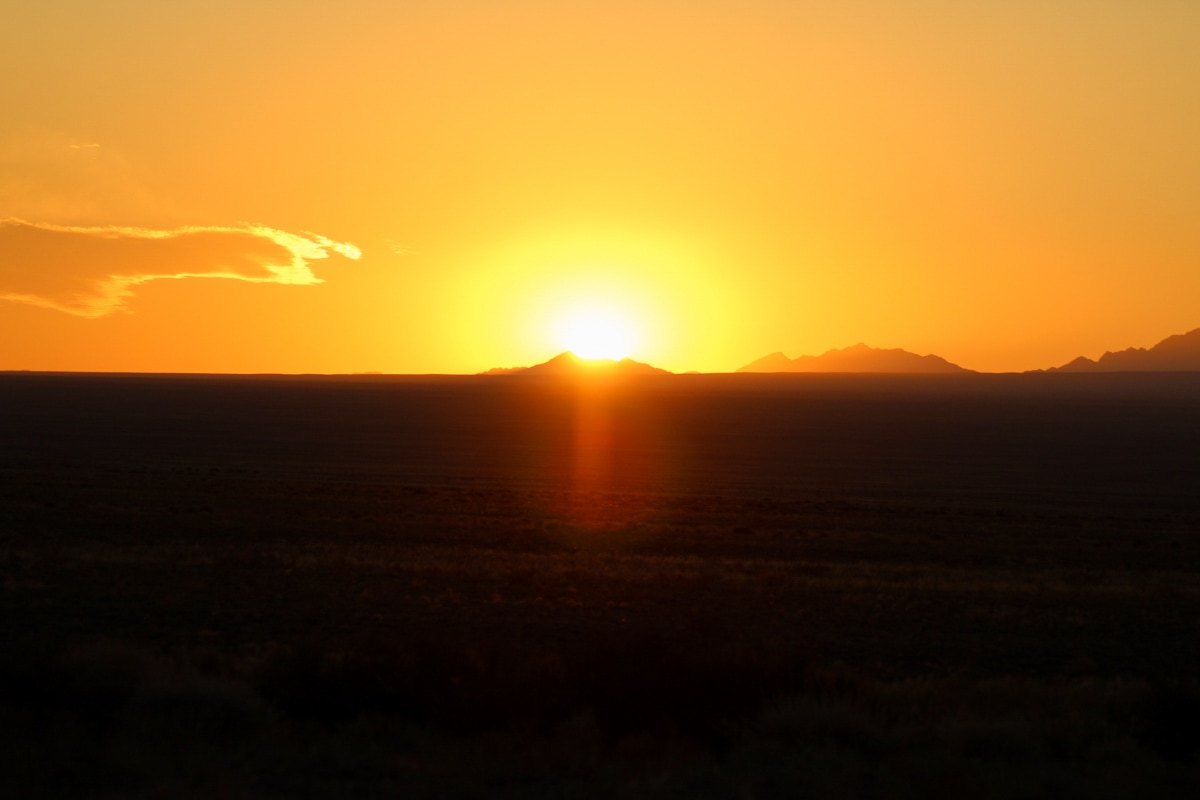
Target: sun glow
{"x":596,"y":333}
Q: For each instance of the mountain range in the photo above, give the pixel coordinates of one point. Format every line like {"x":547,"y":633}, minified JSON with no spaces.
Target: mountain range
{"x":857,"y":358}
{"x":1180,"y":353}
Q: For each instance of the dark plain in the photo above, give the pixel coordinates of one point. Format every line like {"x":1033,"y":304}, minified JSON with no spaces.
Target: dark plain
{"x":745,"y":586}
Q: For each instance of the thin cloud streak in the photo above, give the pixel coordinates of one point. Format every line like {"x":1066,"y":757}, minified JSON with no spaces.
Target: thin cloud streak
{"x":91,"y":271}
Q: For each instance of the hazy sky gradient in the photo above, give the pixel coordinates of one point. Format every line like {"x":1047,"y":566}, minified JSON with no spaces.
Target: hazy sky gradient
{"x":1007,"y":184}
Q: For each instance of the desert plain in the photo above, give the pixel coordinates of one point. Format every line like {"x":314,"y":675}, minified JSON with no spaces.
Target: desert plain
{"x":673,"y":586}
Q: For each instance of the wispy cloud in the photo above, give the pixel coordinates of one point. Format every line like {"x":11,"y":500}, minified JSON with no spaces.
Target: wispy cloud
{"x":91,"y":271}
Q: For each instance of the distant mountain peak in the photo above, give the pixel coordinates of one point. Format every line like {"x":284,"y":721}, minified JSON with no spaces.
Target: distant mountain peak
{"x":855,"y":358}
{"x":775,"y":362}
{"x":1178,"y":353}
{"x":568,"y":364}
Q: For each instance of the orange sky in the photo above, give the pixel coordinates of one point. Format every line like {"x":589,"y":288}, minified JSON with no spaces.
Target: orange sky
{"x":431,"y":186}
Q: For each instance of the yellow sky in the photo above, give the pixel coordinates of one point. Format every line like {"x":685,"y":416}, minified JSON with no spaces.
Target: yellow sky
{"x":1008,"y":185}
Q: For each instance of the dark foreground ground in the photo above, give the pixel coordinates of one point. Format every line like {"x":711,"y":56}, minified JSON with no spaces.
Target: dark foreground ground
{"x":696,"y":586}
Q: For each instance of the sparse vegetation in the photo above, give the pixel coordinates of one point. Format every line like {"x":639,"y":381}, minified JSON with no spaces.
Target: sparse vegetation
{"x":262,"y":624}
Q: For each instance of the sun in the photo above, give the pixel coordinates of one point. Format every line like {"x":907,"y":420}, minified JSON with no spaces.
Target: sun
{"x":594,"y":332}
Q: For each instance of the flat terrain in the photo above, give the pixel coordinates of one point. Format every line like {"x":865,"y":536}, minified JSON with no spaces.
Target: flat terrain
{"x":721,"y":585}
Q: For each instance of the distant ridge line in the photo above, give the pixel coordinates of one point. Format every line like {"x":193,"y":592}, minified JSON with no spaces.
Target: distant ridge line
{"x":857,"y":358}
{"x":1178,"y":353}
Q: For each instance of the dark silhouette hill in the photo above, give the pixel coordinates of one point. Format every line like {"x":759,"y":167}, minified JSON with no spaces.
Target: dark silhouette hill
{"x":857,"y":358}
{"x":1179,"y":353}
{"x":568,"y":364}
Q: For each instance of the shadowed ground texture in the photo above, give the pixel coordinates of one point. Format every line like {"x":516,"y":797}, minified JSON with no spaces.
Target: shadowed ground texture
{"x":661,"y":586}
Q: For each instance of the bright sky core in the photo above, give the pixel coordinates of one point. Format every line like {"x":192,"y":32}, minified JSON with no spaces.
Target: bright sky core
{"x":596,"y":333}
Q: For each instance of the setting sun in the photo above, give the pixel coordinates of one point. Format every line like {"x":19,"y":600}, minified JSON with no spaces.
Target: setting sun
{"x":596,"y":333}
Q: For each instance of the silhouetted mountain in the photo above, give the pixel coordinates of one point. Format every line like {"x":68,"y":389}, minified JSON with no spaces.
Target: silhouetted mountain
{"x":1180,"y":353}
{"x":569,"y":364}
{"x":858,"y":358}
{"x":776,"y":362}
